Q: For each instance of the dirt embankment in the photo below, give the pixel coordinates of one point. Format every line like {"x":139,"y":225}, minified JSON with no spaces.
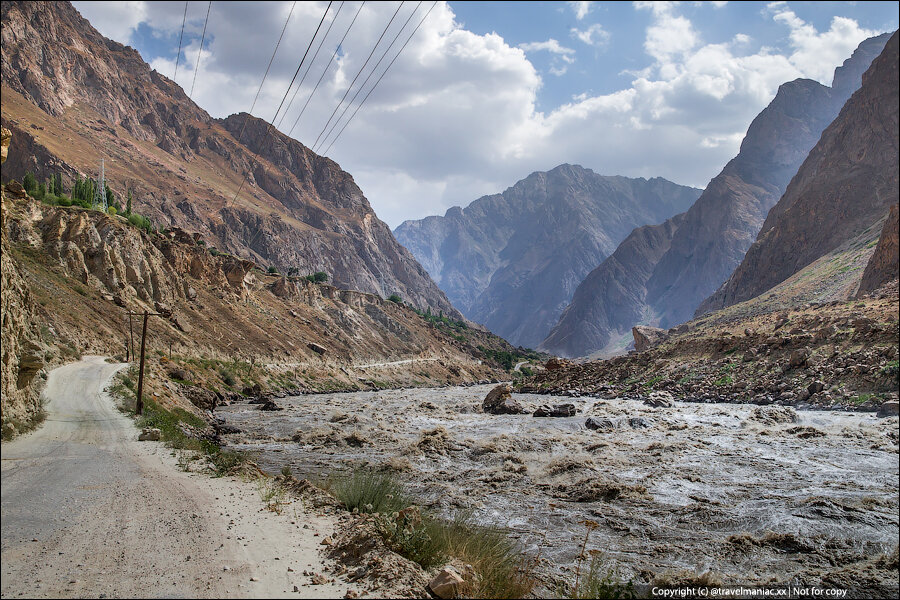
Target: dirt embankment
{"x":834,"y":355}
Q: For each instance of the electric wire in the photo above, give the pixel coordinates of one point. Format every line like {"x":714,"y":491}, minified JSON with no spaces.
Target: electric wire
{"x":200,"y":51}
{"x":180,"y":38}
{"x":344,"y":97}
{"x":336,"y":48}
{"x":277,"y":44}
{"x":369,"y":76}
{"x":379,"y":79}
{"x":286,"y":92}
{"x":311,"y":63}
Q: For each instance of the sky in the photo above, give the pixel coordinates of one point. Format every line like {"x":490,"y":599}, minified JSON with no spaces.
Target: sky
{"x":485,"y":93}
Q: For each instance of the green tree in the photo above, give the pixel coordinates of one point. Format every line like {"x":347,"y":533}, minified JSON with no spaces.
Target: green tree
{"x":58,"y":185}
{"x":395,"y":298}
{"x":110,"y":197}
{"x":128,"y":204}
{"x":29,"y":182}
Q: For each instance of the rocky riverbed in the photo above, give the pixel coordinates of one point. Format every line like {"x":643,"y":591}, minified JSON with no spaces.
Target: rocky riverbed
{"x":726,"y":493}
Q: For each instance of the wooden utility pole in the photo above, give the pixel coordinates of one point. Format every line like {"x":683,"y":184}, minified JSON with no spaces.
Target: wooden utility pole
{"x":139,"y":406}
{"x":139,"y":402}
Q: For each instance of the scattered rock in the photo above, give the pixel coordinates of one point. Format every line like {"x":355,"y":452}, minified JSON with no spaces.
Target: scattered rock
{"x":647,"y":337}
{"x":270,"y":405}
{"x":600,"y":424}
{"x":320,"y":350}
{"x":555,"y":364}
{"x":559,"y":410}
{"x":799,"y":357}
{"x":149,"y":434}
{"x":891,"y":408}
{"x":639,"y":423}
{"x":660,"y":399}
{"x":773,"y":414}
{"x":499,"y":402}
{"x":446,"y":583}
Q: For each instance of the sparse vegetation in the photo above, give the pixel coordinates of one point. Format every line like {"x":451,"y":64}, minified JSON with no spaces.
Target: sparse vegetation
{"x":501,"y":569}
{"x":318,"y":277}
{"x":395,"y":298}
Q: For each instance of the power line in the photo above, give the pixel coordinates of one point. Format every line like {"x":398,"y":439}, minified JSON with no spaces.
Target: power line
{"x":380,"y":78}
{"x":286,"y":92}
{"x":277,"y":44}
{"x":311,"y":62}
{"x":200,"y":52}
{"x":311,"y":94}
{"x":180,"y":38}
{"x":369,"y":76}
{"x":357,"y":74}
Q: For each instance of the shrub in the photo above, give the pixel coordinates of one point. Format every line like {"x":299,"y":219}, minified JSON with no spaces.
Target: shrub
{"x":273,"y":270}
{"x":318,"y":277}
{"x":395,"y":298}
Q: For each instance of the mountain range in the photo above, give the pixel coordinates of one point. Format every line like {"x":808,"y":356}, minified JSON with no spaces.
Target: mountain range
{"x":511,"y":261}
{"x":660,"y":274}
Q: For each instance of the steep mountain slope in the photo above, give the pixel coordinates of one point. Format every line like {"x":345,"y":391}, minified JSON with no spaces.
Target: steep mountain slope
{"x":719,"y":228}
{"x":884,"y":265}
{"x":74,"y":97}
{"x":845,"y":187}
{"x":511,"y":261}
{"x":608,"y":303}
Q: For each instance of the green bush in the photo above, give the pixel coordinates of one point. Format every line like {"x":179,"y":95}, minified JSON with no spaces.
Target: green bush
{"x":273,"y":270}
{"x":369,"y":492}
{"x":395,"y":298}
{"x":318,"y":277}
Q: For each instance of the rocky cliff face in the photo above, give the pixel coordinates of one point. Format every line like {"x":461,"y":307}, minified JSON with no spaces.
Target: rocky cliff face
{"x":610,"y":301}
{"x":23,"y":351}
{"x":75,"y":97}
{"x":884,"y":265}
{"x":845,"y":186}
{"x":512,"y":261}
{"x":717,"y":230}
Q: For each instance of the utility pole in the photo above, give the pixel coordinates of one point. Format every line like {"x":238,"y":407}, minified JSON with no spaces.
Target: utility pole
{"x":139,"y":403}
{"x":100,"y":191}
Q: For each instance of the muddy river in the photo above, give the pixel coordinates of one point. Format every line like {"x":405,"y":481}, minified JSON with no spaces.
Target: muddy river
{"x":720,"y":492}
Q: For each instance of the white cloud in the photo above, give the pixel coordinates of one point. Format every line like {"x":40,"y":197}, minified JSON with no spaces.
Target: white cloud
{"x":115,"y":20}
{"x":816,"y":54}
{"x":581,"y":9}
{"x":456,"y":116}
{"x":551,"y":46}
{"x":594,"y":35}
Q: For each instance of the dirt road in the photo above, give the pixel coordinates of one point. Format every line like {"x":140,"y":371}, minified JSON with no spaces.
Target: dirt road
{"x":87,"y":511}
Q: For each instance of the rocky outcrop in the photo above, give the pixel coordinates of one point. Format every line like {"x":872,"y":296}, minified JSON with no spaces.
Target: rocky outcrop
{"x":23,"y":353}
{"x":832,"y":355}
{"x":883,"y":267}
{"x":511,"y":261}
{"x":499,"y":401}
{"x":647,"y":337}
{"x":297,"y":210}
{"x":663,"y":273}
{"x":845,"y":187}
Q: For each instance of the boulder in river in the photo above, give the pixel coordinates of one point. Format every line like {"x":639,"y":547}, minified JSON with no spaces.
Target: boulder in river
{"x":602,"y":425}
{"x":558,"y":410}
{"x":499,"y":401}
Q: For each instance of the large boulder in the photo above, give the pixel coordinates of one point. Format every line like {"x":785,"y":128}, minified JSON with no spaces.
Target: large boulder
{"x":558,"y":410}
{"x":499,"y":401}
{"x":647,"y":337}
